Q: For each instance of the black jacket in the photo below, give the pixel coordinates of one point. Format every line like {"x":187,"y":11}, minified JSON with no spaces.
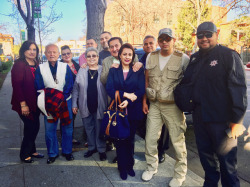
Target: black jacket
{"x":220,"y":85}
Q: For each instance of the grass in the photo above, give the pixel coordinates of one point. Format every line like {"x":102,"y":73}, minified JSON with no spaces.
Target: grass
{"x":3,"y":73}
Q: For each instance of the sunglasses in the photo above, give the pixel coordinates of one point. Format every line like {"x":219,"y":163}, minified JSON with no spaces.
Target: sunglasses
{"x":93,"y":56}
{"x":64,"y":54}
{"x":206,"y":34}
{"x":167,"y":39}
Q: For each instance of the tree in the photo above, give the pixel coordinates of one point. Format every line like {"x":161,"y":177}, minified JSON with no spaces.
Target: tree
{"x":191,"y":15}
{"x":27,"y":13}
{"x":95,"y":18}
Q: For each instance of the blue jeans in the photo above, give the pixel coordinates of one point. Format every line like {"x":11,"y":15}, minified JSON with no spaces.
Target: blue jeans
{"x":51,"y":137}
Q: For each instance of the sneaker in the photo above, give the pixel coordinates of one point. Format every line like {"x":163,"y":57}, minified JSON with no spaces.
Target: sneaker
{"x":147,"y":175}
{"x":175,"y":182}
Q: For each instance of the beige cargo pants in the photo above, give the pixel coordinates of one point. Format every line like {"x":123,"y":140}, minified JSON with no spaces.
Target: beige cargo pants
{"x":174,"y":119}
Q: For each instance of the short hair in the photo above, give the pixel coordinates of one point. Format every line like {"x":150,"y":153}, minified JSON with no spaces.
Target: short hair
{"x":46,"y":47}
{"x":128,"y":46}
{"x":149,"y":36}
{"x":107,"y":33}
{"x":91,"y":49}
{"x":115,"y":38}
{"x":65,"y":47}
{"x":91,"y":39}
{"x":25,"y":47}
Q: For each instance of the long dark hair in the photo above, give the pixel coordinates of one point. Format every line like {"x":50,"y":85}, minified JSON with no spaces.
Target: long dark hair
{"x":128,"y":46}
{"x":26,"y":46}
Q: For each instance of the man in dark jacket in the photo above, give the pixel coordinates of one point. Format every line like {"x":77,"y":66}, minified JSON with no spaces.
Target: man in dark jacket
{"x":220,"y":97}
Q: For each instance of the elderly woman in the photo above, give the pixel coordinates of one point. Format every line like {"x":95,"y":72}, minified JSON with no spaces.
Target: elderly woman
{"x":67,"y":58}
{"x":24,"y":98}
{"x":131,"y":86}
{"x":90,"y":95}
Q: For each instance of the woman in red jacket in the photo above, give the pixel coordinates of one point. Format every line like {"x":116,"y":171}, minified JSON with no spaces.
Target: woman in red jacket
{"x":24,"y":98}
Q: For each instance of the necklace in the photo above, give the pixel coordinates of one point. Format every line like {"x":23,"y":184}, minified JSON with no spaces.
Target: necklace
{"x":92,"y":75}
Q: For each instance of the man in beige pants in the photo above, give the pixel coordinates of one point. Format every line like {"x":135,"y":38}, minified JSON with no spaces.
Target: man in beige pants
{"x":164,"y":70}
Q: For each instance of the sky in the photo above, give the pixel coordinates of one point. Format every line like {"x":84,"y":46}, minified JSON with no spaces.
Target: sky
{"x":71,"y":27}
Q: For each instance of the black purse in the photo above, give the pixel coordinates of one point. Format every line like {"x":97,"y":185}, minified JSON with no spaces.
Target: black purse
{"x":115,"y":121}
{"x":183,"y":94}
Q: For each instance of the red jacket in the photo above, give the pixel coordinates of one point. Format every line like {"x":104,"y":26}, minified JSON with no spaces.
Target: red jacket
{"x":23,"y":86}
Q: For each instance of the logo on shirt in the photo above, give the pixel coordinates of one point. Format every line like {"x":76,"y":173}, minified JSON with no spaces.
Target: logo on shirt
{"x":193,"y":59}
{"x":213,"y":63}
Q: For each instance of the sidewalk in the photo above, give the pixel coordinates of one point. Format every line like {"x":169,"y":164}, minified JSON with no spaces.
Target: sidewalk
{"x":80,"y":172}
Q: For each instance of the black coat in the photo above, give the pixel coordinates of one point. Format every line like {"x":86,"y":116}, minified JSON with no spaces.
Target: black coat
{"x":220,"y":88}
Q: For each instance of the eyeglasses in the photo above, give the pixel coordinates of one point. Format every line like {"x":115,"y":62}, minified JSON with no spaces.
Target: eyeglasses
{"x":167,"y":39}
{"x":206,"y":34}
{"x":64,"y":54}
{"x":93,"y":56}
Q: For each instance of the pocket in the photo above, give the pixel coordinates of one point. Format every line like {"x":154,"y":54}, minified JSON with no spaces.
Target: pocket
{"x":152,"y":70}
{"x":173,"y":72}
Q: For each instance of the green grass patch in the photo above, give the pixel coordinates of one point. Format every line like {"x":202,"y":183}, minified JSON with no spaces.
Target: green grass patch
{"x":4,"y":70}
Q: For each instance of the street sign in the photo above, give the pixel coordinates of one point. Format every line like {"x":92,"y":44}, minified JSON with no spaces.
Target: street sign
{"x":37,"y":9}
{"x":23,"y":35}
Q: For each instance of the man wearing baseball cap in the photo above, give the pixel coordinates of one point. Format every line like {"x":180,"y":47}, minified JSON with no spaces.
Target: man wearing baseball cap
{"x":164,"y":70}
{"x":220,"y":98}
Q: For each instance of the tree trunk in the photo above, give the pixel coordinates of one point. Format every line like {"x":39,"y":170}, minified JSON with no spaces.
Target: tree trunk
{"x":31,"y":33}
{"x":95,"y":18}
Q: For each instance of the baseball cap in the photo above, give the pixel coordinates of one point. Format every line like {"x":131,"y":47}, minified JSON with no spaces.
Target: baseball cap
{"x":167,"y":31}
{"x":206,"y":26}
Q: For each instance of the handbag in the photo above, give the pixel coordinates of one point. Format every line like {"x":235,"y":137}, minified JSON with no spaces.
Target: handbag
{"x":183,"y":97}
{"x":183,"y":94}
{"x":115,"y":121}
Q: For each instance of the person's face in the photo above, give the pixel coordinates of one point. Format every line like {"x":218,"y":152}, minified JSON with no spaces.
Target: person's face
{"x":52,"y":53}
{"x":166,"y":43}
{"x":31,"y":52}
{"x":92,"y":58}
{"x":207,"y":40}
{"x":149,"y":45}
{"x":66,"y":55}
{"x":104,"y":40}
{"x":126,"y":56}
{"x":114,"y":47}
{"x":91,"y":43}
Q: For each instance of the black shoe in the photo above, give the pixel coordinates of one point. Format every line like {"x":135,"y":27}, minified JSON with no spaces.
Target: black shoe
{"x":103,"y":156}
{"x":131,"y":172}
{"x":68,"y":157}
{"x":39,"y":155}
{"x":161,"y":158}
{"x":75,"y":142}
{"x":89,"y":153}
{"x":115,"y":160}
{"x":123,"y":175}
{"x":28,"y":161}
{"x":109,"y":147}
{"x":52,"y":159}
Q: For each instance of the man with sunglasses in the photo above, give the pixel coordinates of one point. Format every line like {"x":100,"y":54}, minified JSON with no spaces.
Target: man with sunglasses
{"x":164,"y":70}
{"x":220,"y":97}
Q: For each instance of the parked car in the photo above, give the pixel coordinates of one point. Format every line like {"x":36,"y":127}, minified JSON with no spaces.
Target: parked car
{"x":248,"y":65}
{"x":76,"y":59}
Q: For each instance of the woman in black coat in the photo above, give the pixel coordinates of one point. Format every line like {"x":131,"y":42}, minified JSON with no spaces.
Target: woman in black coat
{"x":131,"y":87}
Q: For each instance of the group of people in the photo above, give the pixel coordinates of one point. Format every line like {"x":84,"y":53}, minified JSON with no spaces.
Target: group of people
{"x":61,"y":89}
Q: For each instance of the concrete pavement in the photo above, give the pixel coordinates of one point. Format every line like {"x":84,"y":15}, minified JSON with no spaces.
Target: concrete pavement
{"x":81,"y":171}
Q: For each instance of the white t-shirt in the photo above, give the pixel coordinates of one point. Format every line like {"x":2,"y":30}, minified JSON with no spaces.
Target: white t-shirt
{"x":164,"y":60}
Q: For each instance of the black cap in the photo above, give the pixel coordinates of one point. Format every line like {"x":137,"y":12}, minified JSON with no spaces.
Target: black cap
{"x":206,"y":26}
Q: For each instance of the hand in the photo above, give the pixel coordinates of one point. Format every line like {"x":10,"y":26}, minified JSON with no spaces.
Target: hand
{"x":124,"y":104}
{"x":137,"y":66}
{"x":25,"y":110}
{"x":130,"y":96}
{"x":75,"y":110}
{"x":115,"y":65}
{"x":84,"y":65}
{"x":237,"y":129}
{"x":145,"y":108}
